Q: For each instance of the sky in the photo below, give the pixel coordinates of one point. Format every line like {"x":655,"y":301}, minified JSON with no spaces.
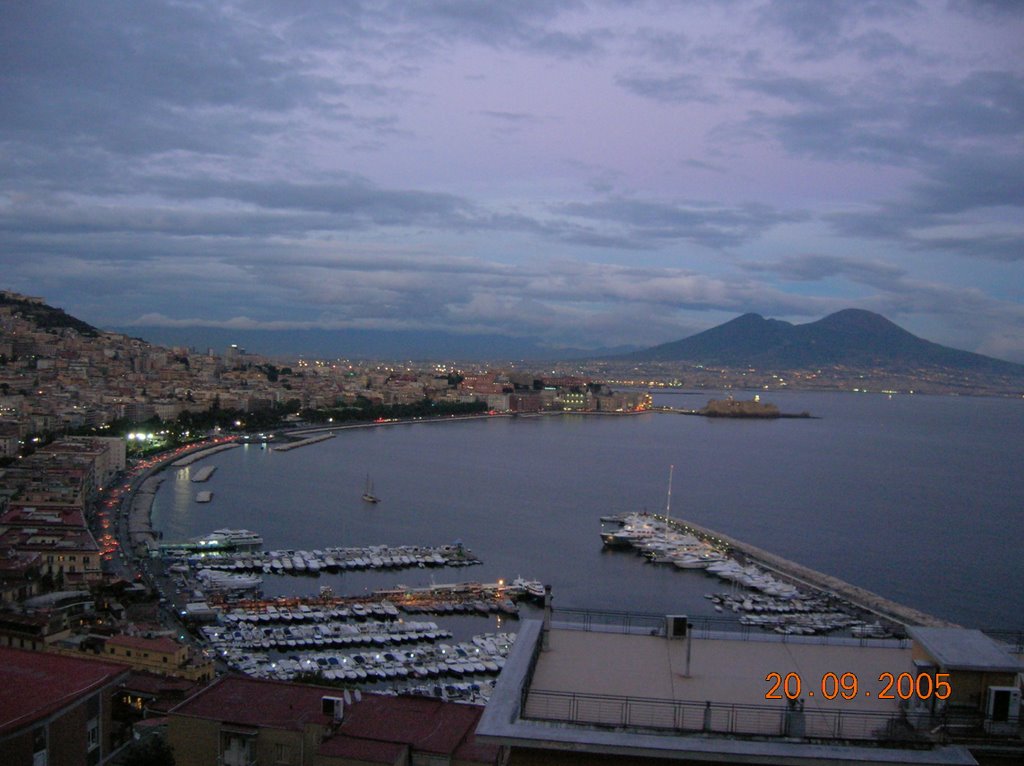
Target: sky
{"x":584,"y":174}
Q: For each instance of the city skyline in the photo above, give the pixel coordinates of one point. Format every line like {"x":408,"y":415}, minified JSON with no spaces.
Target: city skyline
{"x":580,"y":174}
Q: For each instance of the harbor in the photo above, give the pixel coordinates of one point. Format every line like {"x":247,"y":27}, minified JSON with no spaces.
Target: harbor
{"x":369,"y":641}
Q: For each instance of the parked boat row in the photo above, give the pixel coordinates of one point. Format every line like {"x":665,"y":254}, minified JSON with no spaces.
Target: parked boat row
{"x":763,"y":599}
{"x":248,"y":636}
{"x":403,"y":668}
{"x":338,"y":559}
{"x":308,"y":610}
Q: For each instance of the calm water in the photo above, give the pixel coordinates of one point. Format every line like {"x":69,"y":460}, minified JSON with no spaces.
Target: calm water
{"x":920,"y":499}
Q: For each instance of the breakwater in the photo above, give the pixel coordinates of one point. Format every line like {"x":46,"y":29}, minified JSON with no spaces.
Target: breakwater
{"x":194,"y":456}
{"x":302,"y":442}
{"x":140,"y":525}
{"x":812,"y":578}
{"x":204,"y":473}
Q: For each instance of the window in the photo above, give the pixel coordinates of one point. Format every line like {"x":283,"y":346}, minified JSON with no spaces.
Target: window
{"x":282,"y":753}
{"x":39,"y":747}
{"x":92,"y":734}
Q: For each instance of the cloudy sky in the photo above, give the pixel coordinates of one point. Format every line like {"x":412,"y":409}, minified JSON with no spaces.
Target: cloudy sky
{"x":583,"y":173}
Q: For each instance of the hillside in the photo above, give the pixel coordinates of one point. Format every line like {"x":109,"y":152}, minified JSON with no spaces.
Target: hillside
{"x":45,"y":317}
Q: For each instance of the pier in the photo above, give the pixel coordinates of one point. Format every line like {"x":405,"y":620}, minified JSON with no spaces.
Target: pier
{"x":799,"y":574}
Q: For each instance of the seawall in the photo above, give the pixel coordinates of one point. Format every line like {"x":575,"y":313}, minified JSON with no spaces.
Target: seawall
{"x":798,"y":574}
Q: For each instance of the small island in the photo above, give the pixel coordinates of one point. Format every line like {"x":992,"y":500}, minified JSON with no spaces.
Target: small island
{"x":749,"y":408}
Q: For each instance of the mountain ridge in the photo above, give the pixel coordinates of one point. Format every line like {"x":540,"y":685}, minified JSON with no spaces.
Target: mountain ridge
{"x":851,"y":337}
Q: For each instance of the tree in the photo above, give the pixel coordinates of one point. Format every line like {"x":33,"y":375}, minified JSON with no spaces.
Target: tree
{"x":151,"y":751}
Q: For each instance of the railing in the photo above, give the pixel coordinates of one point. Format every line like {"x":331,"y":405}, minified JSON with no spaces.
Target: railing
{"x":1013,"y":640}
{"x":653,"y":624}
{"x":643,"y":623}
{"x":687,"y":717}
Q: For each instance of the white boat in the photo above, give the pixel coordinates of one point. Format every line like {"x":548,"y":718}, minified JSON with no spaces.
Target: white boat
{"x":231,"y":538}
{"x":368,"y":495}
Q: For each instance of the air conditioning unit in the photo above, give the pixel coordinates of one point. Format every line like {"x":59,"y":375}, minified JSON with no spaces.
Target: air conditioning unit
{"x":333,"y":707}
{"x":676,"y":625}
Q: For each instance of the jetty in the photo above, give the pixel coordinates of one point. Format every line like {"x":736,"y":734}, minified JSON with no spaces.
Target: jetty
{"x":204,"y":474}
{"x":192,"y":457}
{"x":800,"y":575}
{"x":140,"y":524}
{"x":302,"y":442}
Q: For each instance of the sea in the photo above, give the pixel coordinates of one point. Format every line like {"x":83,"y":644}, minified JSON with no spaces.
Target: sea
{"x":919,"y":499}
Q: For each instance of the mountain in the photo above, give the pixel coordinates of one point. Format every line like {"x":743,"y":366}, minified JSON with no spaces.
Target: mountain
{"x":852,"y":338}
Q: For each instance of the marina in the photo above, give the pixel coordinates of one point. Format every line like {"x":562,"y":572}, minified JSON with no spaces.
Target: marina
{"x":767,"y":590}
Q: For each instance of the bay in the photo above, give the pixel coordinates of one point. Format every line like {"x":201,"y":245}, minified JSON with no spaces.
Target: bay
{"x":919,"y":499}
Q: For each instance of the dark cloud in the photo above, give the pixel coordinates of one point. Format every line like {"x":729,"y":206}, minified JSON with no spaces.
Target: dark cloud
{"x":675,"y":89}
{"x":821,"y":28}
{"x":956,"y":191}
{"x":705,"y":224}
{"x":813,"y":268}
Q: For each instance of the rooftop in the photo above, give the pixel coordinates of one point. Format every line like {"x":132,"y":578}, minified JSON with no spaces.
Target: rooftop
{"x":34,"y":685}
{"x":961,"y":649}
{"x":163,"y":644}
{"x":377,"y":728}
{"x":622,"y":693}
{"x":250,"y":702}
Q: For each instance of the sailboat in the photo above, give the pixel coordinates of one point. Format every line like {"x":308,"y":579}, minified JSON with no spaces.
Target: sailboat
{"x":368,"y":495}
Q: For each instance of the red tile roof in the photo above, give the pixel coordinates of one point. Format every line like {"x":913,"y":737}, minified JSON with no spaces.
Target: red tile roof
{"x":34,"y":685}
{"x":252,"y":702}
{"x":377,"y":729}
{"x":364,"y":750}
{"x":428,"y":725}
{"x":165,"y":645}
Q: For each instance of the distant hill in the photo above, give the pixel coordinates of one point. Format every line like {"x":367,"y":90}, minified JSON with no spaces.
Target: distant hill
{"x":852,"y":338}
{"x":46,"y":317}
{"x":364,"y":344}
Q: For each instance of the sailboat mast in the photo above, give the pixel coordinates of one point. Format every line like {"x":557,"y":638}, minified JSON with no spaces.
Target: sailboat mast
{"x":668,"y":502}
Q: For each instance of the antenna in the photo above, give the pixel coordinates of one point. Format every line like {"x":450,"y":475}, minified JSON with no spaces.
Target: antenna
{"x":668,"y":502}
